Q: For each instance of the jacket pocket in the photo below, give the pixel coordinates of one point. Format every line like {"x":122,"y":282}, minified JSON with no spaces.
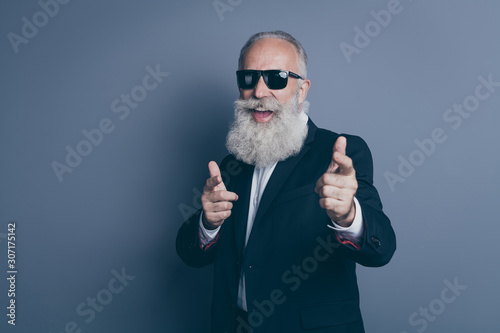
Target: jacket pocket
{"x":330,"y":314}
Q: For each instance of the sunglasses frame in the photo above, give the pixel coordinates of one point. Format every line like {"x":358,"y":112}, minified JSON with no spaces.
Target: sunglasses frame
{"x":265,"y":75}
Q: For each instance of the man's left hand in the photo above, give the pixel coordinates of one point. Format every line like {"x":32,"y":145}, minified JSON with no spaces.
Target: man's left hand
{"x":338,"y":185}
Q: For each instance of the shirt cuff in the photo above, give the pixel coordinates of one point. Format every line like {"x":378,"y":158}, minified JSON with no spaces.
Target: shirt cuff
{"x":206,"y":236}
{"x":354,"y":232}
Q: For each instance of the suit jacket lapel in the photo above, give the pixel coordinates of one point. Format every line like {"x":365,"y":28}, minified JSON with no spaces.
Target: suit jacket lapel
{"x":240,"y":210}
{"x":280,"y":175}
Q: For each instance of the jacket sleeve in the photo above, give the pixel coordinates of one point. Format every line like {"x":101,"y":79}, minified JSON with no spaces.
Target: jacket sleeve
{"x":188,"y":244}
{"x":379,"y":241}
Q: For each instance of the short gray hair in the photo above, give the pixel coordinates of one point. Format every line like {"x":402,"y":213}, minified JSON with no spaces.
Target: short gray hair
{"x":278,"y":34}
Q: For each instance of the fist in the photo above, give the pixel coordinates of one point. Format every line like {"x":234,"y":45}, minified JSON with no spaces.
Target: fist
{"x":338,"y":185}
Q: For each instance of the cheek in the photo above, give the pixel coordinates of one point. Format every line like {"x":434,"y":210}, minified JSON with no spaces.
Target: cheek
{"x":245,"y":94}
{"x":283,"y":95}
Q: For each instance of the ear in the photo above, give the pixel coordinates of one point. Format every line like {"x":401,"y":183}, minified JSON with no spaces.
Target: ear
{"x":304,"y":88}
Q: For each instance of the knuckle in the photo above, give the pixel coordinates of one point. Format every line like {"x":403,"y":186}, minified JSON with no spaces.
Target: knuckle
{"x":224,"y":215}
{"x":205,"y":198}
{"x":322,"y":191}
{"x":208,"y":183}
{"x":322,"y":203}
{"x":328,"y":203}
{"x":324,"y":178}
{"x":339,"y":181}
{"x":224,"y":205}
{"x":217,"y":196}
{"x":206,"y":205}
{"x":332,"y":204}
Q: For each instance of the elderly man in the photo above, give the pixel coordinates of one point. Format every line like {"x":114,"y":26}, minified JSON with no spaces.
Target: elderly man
{"x":293,"y":210}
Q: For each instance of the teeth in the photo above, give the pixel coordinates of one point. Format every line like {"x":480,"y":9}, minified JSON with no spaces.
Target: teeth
{"x":260,"y":109}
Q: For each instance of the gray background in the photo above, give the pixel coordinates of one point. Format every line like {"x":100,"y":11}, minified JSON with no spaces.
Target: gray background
{"x":120,"y":208}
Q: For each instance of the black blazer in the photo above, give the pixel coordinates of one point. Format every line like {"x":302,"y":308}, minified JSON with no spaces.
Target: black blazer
{"x":298,"y":276}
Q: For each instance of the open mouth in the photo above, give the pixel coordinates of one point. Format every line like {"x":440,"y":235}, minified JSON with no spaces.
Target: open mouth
{"x":262,"y":115}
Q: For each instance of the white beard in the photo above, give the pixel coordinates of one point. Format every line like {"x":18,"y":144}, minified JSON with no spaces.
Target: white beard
{"x":263,"y":144}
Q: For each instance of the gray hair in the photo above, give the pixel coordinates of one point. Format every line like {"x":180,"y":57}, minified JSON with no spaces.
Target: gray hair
{"x":302,"y":56}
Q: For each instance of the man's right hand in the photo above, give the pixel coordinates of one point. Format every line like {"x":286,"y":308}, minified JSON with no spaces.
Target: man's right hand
{"x":216,"y":200}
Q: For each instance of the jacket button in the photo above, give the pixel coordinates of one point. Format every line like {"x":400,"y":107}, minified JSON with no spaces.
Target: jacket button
{"x":376,"y":241}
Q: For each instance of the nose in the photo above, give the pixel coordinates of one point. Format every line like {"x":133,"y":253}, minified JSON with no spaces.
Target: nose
{"x":261,"y":90}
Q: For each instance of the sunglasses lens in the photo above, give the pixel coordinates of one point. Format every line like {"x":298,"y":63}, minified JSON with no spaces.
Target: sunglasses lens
{"x":276,"y":79}
{"x":247,"y":79}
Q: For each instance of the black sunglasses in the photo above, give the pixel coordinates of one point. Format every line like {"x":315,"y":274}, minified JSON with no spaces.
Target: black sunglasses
{"x":274,"y":78}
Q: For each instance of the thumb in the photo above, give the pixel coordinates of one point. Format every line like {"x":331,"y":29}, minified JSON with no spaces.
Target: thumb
{"x":214,"y":170}
{"x":339,"y":147}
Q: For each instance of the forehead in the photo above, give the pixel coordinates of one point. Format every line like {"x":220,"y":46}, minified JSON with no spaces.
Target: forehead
{"x":271,"y":53}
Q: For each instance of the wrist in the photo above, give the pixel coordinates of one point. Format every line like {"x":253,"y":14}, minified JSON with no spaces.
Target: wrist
{"x":347,"y":221}
{"x":206,"y":225}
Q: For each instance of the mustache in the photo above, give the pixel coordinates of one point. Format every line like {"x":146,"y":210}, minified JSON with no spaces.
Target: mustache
{"x":267,"y":103}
